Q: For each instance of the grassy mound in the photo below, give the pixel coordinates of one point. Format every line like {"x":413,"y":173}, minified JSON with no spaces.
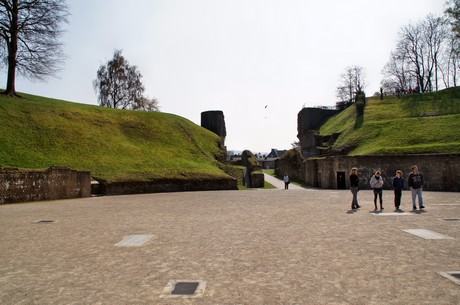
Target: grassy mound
{"x":115,"y":145}
{"x":418,"y":123}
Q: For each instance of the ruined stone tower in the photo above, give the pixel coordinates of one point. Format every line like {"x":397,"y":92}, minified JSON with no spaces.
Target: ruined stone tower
{"x":309,"y":121}
{"x":214,"y":121}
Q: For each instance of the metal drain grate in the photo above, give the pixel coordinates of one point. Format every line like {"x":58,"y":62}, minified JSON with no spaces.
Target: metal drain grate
{"x":188,"y":288}
{"x":454,"y":276}
{"x":184,"y":289}
{"x":44,"y":221}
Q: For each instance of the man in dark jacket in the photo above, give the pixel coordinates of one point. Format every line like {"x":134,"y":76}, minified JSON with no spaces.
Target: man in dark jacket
{"x":415,"y":182}
{"x":398,"y":185}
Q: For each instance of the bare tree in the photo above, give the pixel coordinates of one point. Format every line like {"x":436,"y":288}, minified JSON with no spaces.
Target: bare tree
{"x":351,"y":82}
{"x":419,"y":59}
{"x":397,"y":73}
{"x":411,"y":47}
{"x":435,"y":37}
{"x":30,"y":32}
{"x":453,"y":13}
{"x":146,"y":104}
{"x":118,"y":84}
{"x":452,"y":65}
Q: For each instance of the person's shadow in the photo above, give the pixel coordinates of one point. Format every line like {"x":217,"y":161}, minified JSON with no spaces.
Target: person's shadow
{"x":418,"y":211}
{"x":352,"y":211}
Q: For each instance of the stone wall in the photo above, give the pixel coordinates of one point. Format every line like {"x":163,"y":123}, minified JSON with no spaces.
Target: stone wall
{"x":290,"y":163}
{"x":441,"y":171}
{"x":19,"y":185}
{"x":167,"y":185}
{"x":309,"y":120}
{"x":253,"y":175}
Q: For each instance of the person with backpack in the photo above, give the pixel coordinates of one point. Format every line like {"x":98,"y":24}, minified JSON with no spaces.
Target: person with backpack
{"x":377,"y":184}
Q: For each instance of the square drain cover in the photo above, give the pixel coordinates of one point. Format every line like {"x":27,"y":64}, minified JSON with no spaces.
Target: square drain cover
{"x":427,"y":234}
{"x":454,"y":276}
{"x":187,"y":288}
{"x":134,"y":240}
{"x":184,"y":289}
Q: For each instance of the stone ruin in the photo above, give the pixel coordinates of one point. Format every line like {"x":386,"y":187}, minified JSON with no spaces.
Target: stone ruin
{"x":214,"y":121}
{"x":309,"y":121}
{"x":253,"y":174}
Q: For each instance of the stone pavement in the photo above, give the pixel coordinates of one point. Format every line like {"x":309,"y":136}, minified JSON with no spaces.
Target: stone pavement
{"x":246,"y":247}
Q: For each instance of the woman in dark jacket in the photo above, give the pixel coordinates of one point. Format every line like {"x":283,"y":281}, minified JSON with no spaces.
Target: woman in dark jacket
{"x":398,"y":185}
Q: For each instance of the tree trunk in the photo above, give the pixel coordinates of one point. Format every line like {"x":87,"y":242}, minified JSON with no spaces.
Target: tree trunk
{"x":12,"y":52}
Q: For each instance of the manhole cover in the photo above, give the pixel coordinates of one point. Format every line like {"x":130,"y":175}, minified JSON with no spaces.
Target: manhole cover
{"x":185,"y":288}
{"x":44,"y":221}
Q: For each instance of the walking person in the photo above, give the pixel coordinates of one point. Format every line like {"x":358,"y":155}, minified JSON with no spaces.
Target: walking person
{"x":415,"y":182}
{"x":286,"y":181}
{"x":398,"y":186}
{"x":354,"y":188}
{"x":377,"y":184}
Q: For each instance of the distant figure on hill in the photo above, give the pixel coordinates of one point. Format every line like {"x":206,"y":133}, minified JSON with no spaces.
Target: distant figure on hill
{"x":398,"y":185}
{"x":415,"y":182}
{"x":286,"y":181}
{"x":354,"y":188}
{"x":377,"y":184}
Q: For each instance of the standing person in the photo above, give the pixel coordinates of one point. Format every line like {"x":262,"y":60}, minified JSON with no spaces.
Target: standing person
{"x":377,"y":184}
{"x":415,"y":182}
{"x":286,"y":181}
{"x":398,"y":185}
{"x":354,"y":183}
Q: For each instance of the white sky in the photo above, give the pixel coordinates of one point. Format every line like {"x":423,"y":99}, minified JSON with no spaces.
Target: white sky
{"x":233,"y":55}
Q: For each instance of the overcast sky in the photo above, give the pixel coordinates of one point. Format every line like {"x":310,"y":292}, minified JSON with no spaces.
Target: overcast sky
{"x":237,"y":56}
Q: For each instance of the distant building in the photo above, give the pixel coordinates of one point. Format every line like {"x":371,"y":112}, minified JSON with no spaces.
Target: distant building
{"x":268,"y":161}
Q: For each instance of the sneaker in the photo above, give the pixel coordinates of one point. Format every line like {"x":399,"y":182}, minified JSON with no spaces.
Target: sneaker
{"x":422,"y":207}
{"x":358,"y":206}
{"x":414,"y":208}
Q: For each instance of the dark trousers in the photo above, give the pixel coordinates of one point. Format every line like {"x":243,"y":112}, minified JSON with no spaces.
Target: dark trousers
{"x":398,"y":194}
{"x":286,"y":185}
{"x":378,"y":192}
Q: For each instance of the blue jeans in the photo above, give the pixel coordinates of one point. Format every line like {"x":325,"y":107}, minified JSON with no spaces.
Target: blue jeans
{"x":354,"y":202}
{"x":415,"y":193}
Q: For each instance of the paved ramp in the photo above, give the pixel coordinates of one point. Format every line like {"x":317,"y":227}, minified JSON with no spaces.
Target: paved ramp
{"x":279,"y":184}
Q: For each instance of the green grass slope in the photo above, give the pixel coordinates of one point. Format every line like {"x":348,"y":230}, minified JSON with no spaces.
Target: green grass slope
{"x":419,"y":123}
{"x":115,"y":145}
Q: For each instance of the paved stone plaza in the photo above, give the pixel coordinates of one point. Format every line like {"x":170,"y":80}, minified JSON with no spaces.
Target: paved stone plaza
{"x":300,"y":246}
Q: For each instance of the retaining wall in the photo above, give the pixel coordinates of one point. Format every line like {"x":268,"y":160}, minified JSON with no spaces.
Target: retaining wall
{"x":20,"y":185}
{"x":167,"y":185}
